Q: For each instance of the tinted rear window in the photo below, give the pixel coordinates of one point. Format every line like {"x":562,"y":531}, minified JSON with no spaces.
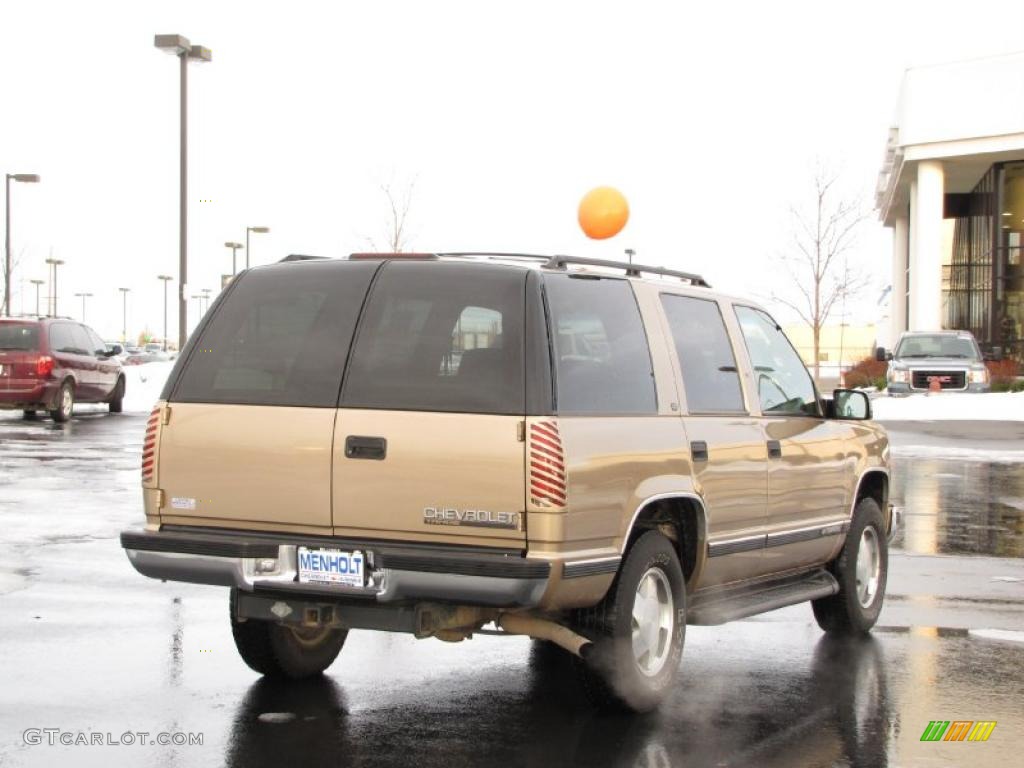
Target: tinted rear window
{"x":441,"y":337}
{"x":19,"y":336}
{"x":280,"y":338}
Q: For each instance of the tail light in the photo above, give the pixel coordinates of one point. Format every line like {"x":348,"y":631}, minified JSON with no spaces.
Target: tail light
{"x":149,"y":445}
{"x":547,"y":466}
{"x":44,"y":365}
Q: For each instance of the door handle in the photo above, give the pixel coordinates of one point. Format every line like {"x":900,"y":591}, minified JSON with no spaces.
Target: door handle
{"x":357,"y":447}
{"x":699,"y":450}
{"x":774,"y":449}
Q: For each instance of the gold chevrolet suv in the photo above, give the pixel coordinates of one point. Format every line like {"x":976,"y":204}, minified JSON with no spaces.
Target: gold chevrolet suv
{"x":590,"y":453}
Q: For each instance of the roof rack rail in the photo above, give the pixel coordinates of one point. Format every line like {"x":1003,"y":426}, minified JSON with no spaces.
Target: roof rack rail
{"x":498,"y":255}
{"x":300,"y":257}
{"x":632,"y":270}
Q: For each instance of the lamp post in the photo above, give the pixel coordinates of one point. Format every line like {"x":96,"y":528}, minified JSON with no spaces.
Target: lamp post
{"x":26,"y":178}
{"x":179,"y":46}
{"x":166,"y":279}
{"x":37,"y":283}
{"x":630,"y":253}
{"x":258,"y":231}
{"x":54,"y":263}
{"x":206,"y":299}
{"x":124,"y":314}
{"x":234,"y":262}
{"x":83,"y":296}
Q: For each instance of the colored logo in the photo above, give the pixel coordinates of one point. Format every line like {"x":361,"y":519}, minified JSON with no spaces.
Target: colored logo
{"x":958,"y":730}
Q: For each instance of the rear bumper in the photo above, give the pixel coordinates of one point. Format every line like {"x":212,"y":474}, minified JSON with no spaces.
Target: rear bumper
{"x":396,"y":573}
{"x":28,"y":393}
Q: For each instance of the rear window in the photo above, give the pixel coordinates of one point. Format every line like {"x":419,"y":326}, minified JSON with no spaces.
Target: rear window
{"x":23,"y":337}
{"x":602,"y":361}
{"x":441,"y":337}
{"x":280,"y":338}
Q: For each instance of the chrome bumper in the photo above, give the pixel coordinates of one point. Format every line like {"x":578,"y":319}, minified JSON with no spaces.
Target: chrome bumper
{"x":394,"y":574}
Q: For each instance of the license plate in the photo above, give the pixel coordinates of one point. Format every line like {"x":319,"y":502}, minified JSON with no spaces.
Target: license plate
{"x":331,"y":566}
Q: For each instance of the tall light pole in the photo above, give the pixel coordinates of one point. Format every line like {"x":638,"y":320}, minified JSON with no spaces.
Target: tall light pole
{"x":234,"y":262}
{"x":630,"y":253}
{"x":84,"y":296}
{"x":206,"y":299}
{"x":54,"y":263}
{"x":37,"y":283}
{"x":258,"y":231}
{"x":27,"y":178}
{"x":124,"y":314}
{"x":179,"y":46}
{"x":166,"y":279}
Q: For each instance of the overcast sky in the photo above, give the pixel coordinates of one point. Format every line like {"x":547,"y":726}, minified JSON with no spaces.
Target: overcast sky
{"x":707,"y":116}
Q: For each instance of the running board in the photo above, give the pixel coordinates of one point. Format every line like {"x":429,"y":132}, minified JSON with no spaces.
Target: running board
{"x":719,"y":605}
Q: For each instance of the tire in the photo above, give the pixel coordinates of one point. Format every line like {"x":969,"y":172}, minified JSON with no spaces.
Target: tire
{"x":117,"y":398}
{"x":279,"y":651}
{"x":618,"y":673}
{"x":65,"y":403}
{"x":855,"y":608}
{"x":29,"y":415}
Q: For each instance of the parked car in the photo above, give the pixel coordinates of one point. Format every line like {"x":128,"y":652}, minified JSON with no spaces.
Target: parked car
{"x":589,"y":453}
{"x":140,"y":358}
{"x":950,"y":359}
{"x":49,"y":364}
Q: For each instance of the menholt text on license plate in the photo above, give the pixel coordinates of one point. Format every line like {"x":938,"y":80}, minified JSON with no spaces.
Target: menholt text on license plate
{"x":330,"y":566}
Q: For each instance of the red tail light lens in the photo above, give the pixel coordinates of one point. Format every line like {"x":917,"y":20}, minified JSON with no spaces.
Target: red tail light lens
{"x":547,"y":466}
{"x":149,"y":445}
{"x":44,"y":366}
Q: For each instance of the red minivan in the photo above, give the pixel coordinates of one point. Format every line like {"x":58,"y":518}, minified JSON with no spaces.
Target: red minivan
{"x":50,"y":363}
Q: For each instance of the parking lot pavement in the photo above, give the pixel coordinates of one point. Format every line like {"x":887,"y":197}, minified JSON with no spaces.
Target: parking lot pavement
{"x":87,"y":646}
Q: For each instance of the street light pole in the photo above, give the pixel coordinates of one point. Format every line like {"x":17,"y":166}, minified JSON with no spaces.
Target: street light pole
{"x":258,"y":231}
{"x":234,"y":262}
{"x":84,"y":297}
{"x":165,"y":278}
{"x":206,"y":300}
{"x":37,"y":283}
{"x":27,"y":178}
{"x":179,"y":46}
{"x":630,"y":253}
{"x":54,"y":263}
{"x":124,"y":314}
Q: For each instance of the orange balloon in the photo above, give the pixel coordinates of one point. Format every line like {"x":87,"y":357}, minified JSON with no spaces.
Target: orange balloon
{"x":603,"y":213}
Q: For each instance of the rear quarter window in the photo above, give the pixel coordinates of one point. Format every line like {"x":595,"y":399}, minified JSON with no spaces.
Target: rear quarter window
{"x":281,"y":337}
{"x":439,"y":336}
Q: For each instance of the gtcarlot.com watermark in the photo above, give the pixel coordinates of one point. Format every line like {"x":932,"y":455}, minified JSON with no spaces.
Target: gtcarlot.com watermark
{"x":53,"y":737}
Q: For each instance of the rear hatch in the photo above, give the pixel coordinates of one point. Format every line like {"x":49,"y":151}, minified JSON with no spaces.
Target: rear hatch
{"x":19,"y":355}
{"x":426,"y":443}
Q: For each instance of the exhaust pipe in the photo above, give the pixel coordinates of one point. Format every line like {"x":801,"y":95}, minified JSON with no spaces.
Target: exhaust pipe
{"x":543,"y":629}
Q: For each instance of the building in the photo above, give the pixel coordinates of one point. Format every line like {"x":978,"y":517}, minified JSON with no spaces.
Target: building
{"x":952,"y":190}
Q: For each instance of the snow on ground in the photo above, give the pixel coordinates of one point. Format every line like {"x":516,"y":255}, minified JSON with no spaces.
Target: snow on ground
{"x":143,"y":384}
{"x":999,"y":406}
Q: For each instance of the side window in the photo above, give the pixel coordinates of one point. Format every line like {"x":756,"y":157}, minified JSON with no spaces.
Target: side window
{"x":441,"y":337}
{"x":710,"y":376}
{"x":783,"y":383}
{"x":602,"y":361}
{"x":96,"y":345}
{"x":280,"y":338}
{"x":61,"y":339}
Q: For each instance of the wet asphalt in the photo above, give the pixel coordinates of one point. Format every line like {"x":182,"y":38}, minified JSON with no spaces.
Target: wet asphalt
{"x":91,"y":649}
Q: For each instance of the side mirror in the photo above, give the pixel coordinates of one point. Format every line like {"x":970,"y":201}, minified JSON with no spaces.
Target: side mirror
{"x":850,"y":404}
{"x":995,"y":354}
{"x":881,"y":355}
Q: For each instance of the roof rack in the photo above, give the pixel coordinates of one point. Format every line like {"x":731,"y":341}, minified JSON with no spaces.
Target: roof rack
{"x":632,"y":270}
{"x":300,"y":257}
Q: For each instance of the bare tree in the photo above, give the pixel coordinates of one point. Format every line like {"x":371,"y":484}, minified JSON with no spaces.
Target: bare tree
{"x":396,"y":237}
{"x":816,"y":261}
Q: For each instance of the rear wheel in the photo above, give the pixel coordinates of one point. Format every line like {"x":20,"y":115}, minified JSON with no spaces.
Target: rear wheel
{"x":637,"y":630}
{"x":861,"y":570}
{"x":65,"y":403}
{"x":117,"y":398}
{"x":281,"y":651}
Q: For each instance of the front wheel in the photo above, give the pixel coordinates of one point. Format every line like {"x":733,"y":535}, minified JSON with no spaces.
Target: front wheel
{"x":281,"y":651}
{"x":116,"y":402}
{"x":861,"y":570}
{"x":637,"y":630}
